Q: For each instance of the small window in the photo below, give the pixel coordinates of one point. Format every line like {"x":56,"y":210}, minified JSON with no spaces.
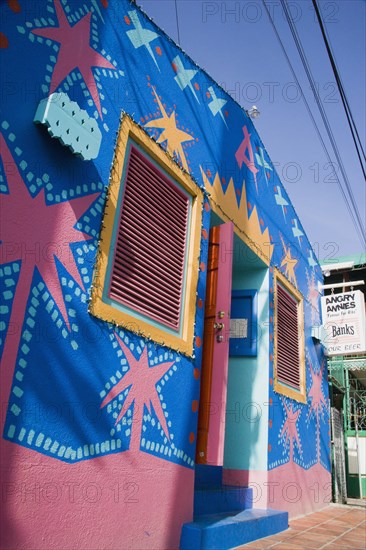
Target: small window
{"x":147,"y":269}
{"x":147,"y":272}
{"x":289,"y":340}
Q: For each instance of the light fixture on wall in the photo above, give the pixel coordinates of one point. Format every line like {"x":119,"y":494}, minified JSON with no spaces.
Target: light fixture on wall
{"x":253,"y":112}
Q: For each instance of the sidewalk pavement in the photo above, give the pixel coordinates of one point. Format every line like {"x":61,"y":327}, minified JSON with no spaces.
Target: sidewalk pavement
{"x":338,"y":527}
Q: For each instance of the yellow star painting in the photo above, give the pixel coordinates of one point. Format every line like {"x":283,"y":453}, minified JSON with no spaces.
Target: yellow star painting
{"x":289,"y":263}
{"x":171,"y":133}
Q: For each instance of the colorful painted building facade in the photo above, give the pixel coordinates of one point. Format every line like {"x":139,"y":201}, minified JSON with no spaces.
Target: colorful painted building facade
{"x":110,"y":133}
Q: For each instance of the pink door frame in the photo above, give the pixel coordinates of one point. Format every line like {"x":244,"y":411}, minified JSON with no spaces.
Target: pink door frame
{"x":216,"y":433}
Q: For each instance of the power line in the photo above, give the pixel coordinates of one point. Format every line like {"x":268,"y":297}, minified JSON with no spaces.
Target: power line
{"x":326,"y":152}
{"x":338,"y":78}
{"x":177,"y":20}
{"x":309,"y":74}
{"x":350,"y":119}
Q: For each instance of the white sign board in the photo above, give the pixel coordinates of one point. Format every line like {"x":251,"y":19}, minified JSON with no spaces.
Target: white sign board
{"x":344,"y":323}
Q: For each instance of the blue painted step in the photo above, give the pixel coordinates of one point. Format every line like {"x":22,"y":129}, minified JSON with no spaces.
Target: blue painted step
{"x":225,"y":531}
{"x":217,"y":500}
{"x":208,"y":476}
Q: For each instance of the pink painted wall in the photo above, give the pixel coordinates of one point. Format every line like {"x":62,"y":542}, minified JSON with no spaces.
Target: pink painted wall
{"x":118,"y":501}
{"x":288,"y":487}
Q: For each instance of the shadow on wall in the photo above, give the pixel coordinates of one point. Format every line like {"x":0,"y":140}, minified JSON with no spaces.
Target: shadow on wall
{"x":247,"y":415}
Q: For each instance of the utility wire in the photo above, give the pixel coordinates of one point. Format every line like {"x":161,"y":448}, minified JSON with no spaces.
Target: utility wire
{"x":177,"y":20}
{"x":338,"y":76}
{"x":350,"y":119}
{"x":325,"y":119}
{"x":326,"y":152}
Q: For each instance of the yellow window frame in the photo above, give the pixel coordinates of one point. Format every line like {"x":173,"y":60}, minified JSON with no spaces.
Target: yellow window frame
{"x":280,"y":387}
{"x":184,"y":341}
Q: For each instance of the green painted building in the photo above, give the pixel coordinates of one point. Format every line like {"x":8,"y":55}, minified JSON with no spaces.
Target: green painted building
{"x":347,"y":379}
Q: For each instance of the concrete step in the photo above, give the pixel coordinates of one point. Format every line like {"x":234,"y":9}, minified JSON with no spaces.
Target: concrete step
{"x":208,"y":476}
{"x":218,"y":500}
{"x":225,"y":531}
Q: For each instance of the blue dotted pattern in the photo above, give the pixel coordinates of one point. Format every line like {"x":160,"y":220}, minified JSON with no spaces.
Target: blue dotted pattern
{"x":81,"y":359}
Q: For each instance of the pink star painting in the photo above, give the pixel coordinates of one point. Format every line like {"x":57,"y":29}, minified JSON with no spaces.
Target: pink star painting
{"x":241,"y":157}
{"x":289,"y":430}
{"x":37,"y":245}
{"x":318,"y":402}
{"x":75,"y":52}
{"x":313,"y":297}
{"x":142,"y":380}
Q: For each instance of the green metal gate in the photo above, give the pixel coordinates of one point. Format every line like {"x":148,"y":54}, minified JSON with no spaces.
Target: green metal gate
{"x":347,"y":376}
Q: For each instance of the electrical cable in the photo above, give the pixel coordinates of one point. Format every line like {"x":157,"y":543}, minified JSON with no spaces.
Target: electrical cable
{"x":324,"y":118}
{"x":326,"y":152}
{"x":338,"y":78}
{"x":350,"y":119}
{"x":177,"y":20}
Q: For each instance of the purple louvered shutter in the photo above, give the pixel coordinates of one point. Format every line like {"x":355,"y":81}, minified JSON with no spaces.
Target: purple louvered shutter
{"x":148,"y":267}
{"x":288,"y":352}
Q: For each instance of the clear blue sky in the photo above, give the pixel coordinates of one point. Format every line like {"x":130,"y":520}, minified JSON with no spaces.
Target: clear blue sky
{"x":235,"y":43}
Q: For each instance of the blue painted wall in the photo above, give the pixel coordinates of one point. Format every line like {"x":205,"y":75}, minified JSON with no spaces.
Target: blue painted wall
{"x":58,"y":360}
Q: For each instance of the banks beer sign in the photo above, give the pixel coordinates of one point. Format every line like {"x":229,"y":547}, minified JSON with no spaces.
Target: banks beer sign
{"x":344,"y":323}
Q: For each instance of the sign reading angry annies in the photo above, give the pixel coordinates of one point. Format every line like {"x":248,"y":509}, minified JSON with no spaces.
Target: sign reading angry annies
{"x":344,"y":323}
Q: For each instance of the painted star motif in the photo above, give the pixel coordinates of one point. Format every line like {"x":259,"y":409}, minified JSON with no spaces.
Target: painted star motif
{"x":142,"y":380}
{"x":141,"y":36}
{"x":242,"y":158}
{"x":171,"y":134}
{"x":20,"y":216}
{"x":318,"y":402}
{"x":289,"y":430}
{"x":97,"y":9}
{"x":281,"y":201}
{"x":297,"y":231}
{"x":184,"y":76}
{"x":289,"y":263}
{"x":216,"y":104}
{"x":313,"y":297}
{"x":316,"y":394}
{"x":262,"y":162}
{"x":75,"y":52}
{"x":311,"y":259}
{"x":40,"y":245}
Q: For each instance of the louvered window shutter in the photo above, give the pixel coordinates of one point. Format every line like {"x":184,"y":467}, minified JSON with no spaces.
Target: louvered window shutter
{"x":148,"y":267}
{"x":288,"y":351}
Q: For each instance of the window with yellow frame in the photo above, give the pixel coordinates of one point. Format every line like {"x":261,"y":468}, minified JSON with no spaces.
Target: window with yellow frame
{"x":289,"y":343}
{"x":147,"y":268}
